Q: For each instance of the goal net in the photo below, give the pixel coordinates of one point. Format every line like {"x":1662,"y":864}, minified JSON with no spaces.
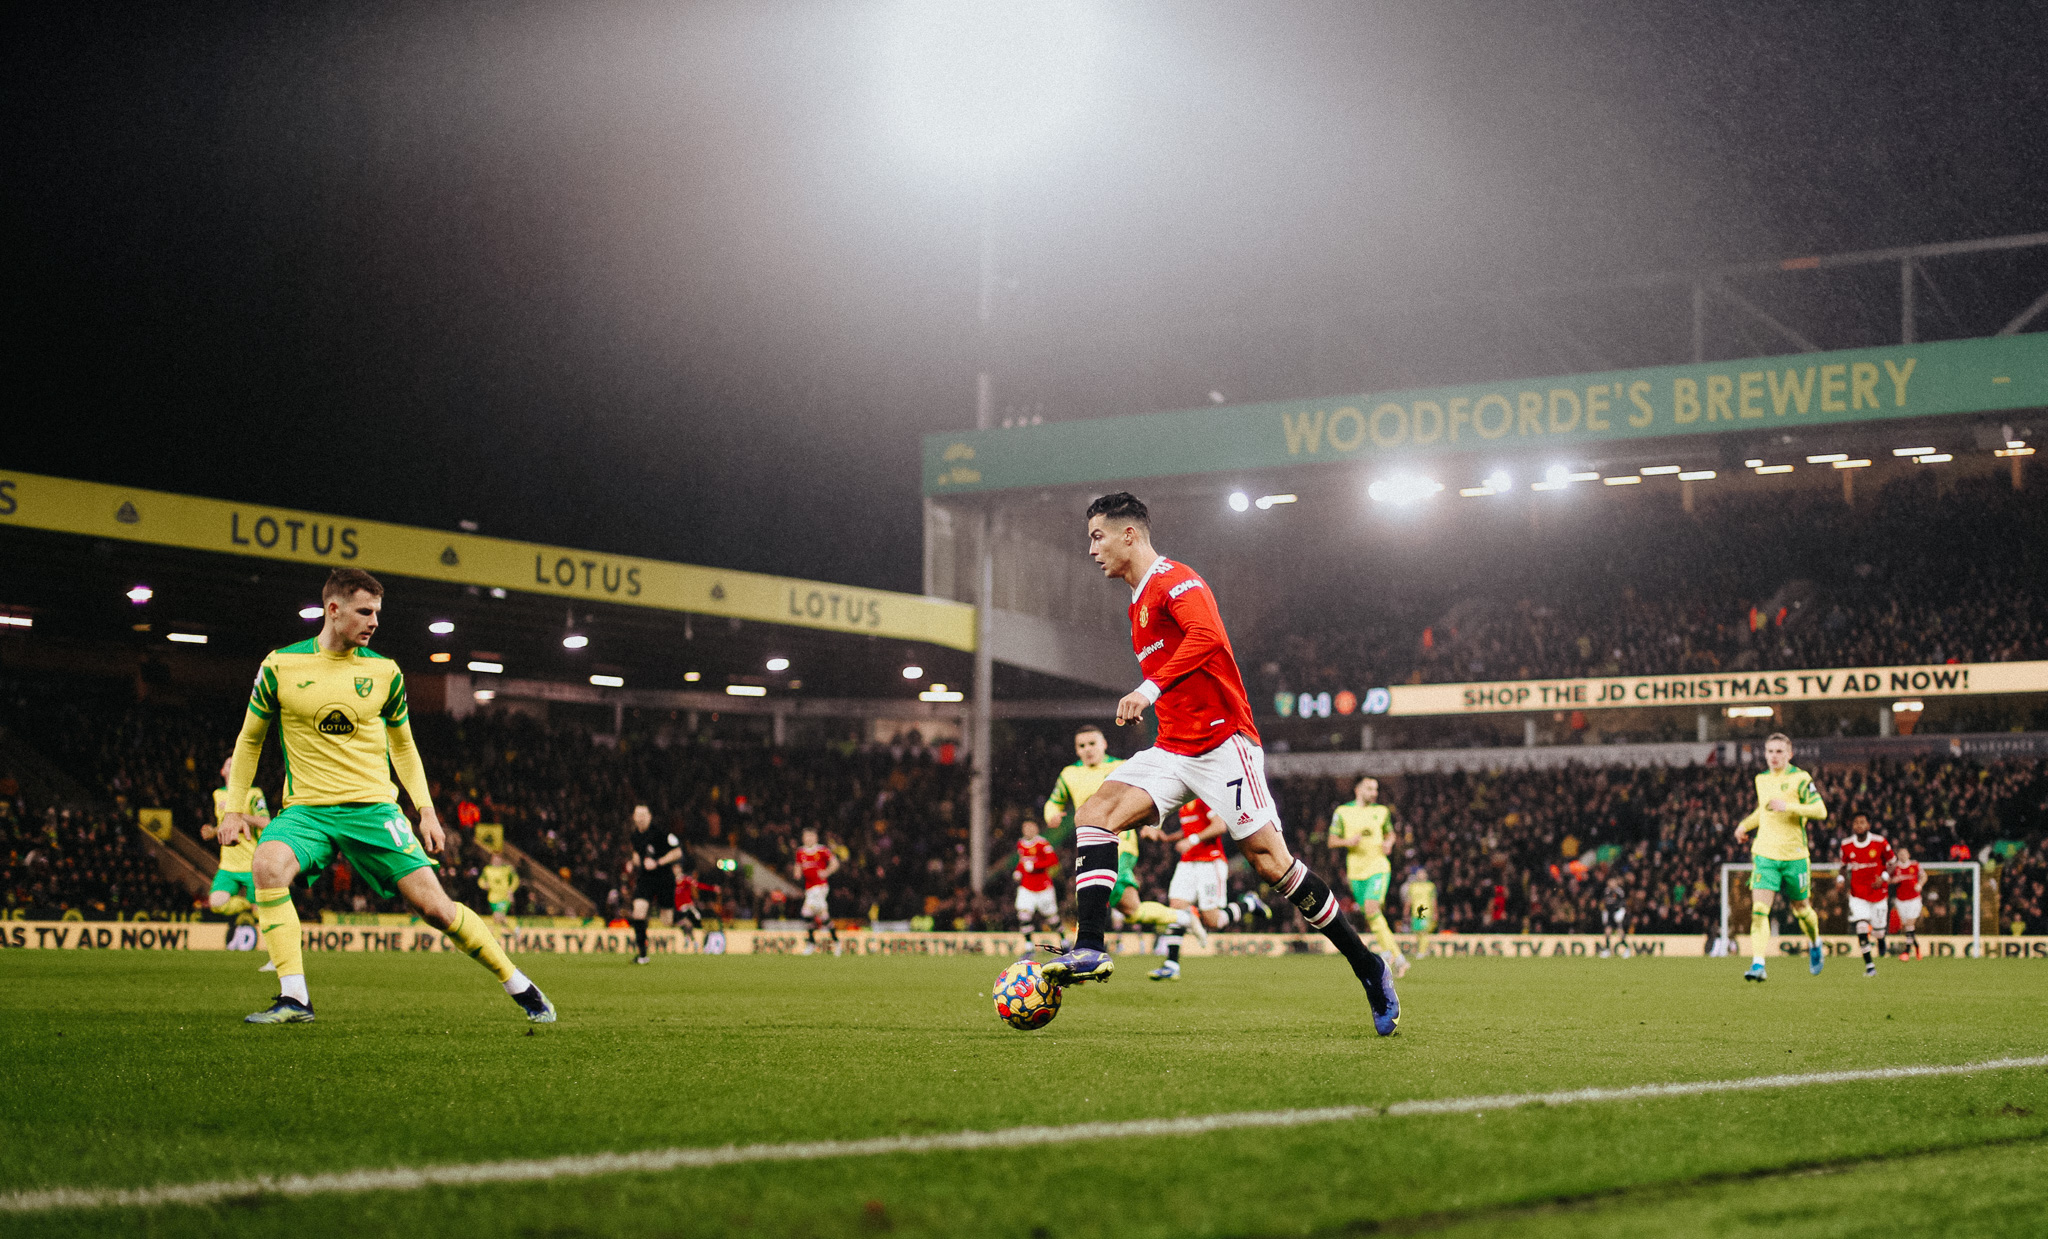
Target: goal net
{"x":1951,"y":900}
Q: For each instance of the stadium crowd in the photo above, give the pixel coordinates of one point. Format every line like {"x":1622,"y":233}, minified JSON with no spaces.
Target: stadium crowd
{"x":1918,"y":575}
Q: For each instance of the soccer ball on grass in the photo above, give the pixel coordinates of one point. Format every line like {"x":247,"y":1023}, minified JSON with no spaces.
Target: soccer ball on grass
{"x":1024,"y":998}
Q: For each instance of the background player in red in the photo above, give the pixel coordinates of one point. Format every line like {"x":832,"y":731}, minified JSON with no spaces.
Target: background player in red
{"x":1207,"y":748}
{"x":1201,"y":879}
{"x":815,"y":865}
{"x":688,"y":918}
{"x":1036,"y":899}
{"x":1907,"y":879}
{"x":1867,"y":859}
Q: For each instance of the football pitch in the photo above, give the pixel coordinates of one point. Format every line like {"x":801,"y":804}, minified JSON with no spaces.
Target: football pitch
{"x":132,"y":1071}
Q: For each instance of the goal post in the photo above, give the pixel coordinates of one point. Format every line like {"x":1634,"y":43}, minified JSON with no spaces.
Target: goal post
{"x":1957,"y":867}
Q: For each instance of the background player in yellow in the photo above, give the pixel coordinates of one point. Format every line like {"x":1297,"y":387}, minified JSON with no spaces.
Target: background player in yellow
{"x":1363,"y":829}
{"x":341,"y":719}
{"x":1786,"y":800}
{"x":499,"y":880}
{"x":1418,"y":896}
{"x":234,"y":890}
{"x":1075,"y":785}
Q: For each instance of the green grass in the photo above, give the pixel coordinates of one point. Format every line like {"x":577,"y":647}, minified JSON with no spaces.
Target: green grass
{"x":126,"y":1069}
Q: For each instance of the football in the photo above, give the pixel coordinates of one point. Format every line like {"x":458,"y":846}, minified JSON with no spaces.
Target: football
{"x":1025,"y":1000}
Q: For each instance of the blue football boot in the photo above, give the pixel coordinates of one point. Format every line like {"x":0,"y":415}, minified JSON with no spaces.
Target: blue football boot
{"x":1078,"y":965}
{"x":538,"y":1009}
{"x":1386,"y":1013}
{"x":1814,"y":957}
{"x":282,"y":1010}
{"x":1755,"y":973}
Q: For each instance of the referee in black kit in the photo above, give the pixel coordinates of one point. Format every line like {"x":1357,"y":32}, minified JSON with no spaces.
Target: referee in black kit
{"x":655,"y":883}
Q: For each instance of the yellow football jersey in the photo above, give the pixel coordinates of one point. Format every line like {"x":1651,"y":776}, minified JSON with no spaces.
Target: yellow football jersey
{"x":342,"y":724}
{"x":1782,"y":836}
{"x":499,"y":881}
{"x":1362,"y":828}
{"x":1076,"y":784}
{"x":239,"y":856}
{"x":1421,"y":897}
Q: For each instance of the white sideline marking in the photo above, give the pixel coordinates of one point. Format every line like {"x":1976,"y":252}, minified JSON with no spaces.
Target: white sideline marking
{"x":585,"y":1166}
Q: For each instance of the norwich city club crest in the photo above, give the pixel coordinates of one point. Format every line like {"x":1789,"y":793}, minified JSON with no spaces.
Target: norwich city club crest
{"x":363,"y":684}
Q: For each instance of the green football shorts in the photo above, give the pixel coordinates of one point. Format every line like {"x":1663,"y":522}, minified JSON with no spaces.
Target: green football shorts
{"x":1373,"y":888}
{"x":498,"y":906}
{"x":234,"y":883}
{"x":375,"y":839}
{"x":1791,"y":877}
{"x":1126,"y":876}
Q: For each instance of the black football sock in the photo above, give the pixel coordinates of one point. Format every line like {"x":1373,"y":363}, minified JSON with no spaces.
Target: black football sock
{"x":1172,"y":942}
{"x":1236,"y":913}
{"x":1880,"y":946}
{"x":1863,"y":936}
{"x":1096,"y":866}
{"x":1912,"y":942}
{"x":640,"y":936}
{"x":1302,"y":888}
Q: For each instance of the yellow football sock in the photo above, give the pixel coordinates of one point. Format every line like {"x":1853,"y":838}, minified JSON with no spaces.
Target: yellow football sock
{"x":476,"y":941}
{"x":1384,"y":934}
{"x":1760,"y":934}
{"x":235,"y":906}
{"x":1151,"y":913}
{"x":1809,"y":920}
{"x":279,"y":921}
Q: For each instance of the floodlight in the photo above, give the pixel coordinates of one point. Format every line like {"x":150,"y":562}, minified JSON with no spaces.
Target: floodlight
{"x":1239,"y":501}
{"x":439,"y":656}
{"x":1908,"y":707}
{"x":575,"y":641}
{"x":1912,"y":451}
{"x":778,"y":664}
{"x":1403,"y":489}
{"x":439,"y":628}
{"x":1936,"y":458}
{"x":745,"y":690}
{"x":1626,"y":479}
{"x":309,"y":613}
{"x":913,"y":673}
{"x":141,"y":594}
{"x":1697,"y":475}
{"x":1656,"y":471}
{"x":1827,"y":458}
{"x":187,"y":638}
{"x":1853,"y":464}
{"x":1499,"y":481}
{"x":487,"y":668}
{"x":608,"y":681}
{"x":1267,"y":501}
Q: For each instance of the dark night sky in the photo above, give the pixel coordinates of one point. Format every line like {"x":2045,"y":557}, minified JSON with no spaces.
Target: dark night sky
{"x":676,"y":281}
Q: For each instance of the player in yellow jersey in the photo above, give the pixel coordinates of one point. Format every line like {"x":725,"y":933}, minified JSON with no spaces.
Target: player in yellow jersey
{"x":1786,"y":800}
{"x":499,"y":881}
{"x":1418,"y":895}
{"x":234,"y":891}
{"x":1363,"y":829}
{"x":341,"y":717}
{"x":1076,"y":784}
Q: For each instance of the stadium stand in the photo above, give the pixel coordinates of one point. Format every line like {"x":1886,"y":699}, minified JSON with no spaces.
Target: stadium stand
{"x":1919,"y":574}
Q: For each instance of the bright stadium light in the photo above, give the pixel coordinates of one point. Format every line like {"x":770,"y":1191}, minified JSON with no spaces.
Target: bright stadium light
{"x":439,"y":628}
{"x":1762,"y":469}
{"x":1912,"y":451}
{"x":309,"y":613}
{"x":1477,"y":492}
{"x":1749,"y":711}
{"x":16,"y":621}
{"x":1266,"y":502}
{"x":1581,"y":477}
{"x":939,"y":692}
{"x":439,"y":656}
{"x":2014,"y":451}
{"x":745,"y":690}
{"x":1557,"y":475}
{"x":1626,"y":479}
{"x":778,"y":664}
{"x":1827,"y":458}
{"x":1500,"y":482}
{"x":1658,"y":471}
{"x":141,"y":594}
{"x":691,"y":677}
{"x":913,"y":673}
{"x":1908,"y":707}
{"x":1753,"y":464}
{"x":1935,"y":458}
{"x":608,"y":681}
{"x":575,"y":641}
{"x":485,"y":694}
{"x":1697,"y":475}
{"x":1403,"y":489}
{"x":1239,"y":501}
{"x":2015,"y":442}
{"x":1853,"y":464}
{"x":187,"y":638}
{"x":485,"y":668}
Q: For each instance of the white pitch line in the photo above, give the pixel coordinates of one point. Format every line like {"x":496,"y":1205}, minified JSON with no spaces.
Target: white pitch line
{"x":585,"y":1166}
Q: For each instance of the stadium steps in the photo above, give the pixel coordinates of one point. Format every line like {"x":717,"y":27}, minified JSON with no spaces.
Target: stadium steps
{"x":556,"y":895}
{"x":43,"y":781}
{"x":176,"y":866}
{"x":765,"y":877}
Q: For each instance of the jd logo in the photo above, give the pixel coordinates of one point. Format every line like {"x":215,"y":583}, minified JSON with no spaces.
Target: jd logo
{"x":363,"y":683}
{"x":337,"y":723}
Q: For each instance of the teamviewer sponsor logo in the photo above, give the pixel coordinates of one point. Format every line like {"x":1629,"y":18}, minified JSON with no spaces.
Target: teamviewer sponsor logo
{"x":1151,"y":649}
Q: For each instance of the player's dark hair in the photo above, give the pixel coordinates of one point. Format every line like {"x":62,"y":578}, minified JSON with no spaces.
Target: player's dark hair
{"x":1122,"y":506}
{"x":344,"y":582}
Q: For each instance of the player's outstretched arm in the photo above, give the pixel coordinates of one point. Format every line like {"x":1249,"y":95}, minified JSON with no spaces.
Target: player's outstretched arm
{"x":412,"y":776}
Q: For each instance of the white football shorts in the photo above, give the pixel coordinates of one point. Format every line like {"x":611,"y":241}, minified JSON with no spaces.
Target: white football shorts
{"x":1871,"y":912}
{"x":1230,"y":778}
{"x":1044,"y":904}
{"x":1909,"y":910}
{"x":1200,"y":882}
{"x":814,"y":901}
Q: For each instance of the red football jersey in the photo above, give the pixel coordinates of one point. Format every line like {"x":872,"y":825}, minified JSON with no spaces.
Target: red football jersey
{"x":1178,"y":636}
{"x":686,"y":891}
{"x":1906,"y":881}
{"x":814,"y":862}
{"x":1865,"y":864}
{"x":1035,"y":863}
{"x":1194,"y":819}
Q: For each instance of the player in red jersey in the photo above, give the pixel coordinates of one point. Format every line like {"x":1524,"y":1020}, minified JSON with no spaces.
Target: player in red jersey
{"x":1207,"y":748}
{"x":1200,"y":881}
{"x":816,"y":864}
{"x":688,"y":918}
{"x":1907,"y":879}
{"x":1036,"y":899}
{"x":1867,"y":859}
